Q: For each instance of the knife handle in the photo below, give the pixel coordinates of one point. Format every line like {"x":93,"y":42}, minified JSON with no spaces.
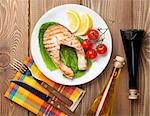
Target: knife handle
{"x":61,"y":107}
{"x":57,"y":94}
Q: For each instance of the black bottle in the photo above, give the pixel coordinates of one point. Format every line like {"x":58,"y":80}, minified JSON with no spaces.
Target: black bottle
{"x":132,"y":40}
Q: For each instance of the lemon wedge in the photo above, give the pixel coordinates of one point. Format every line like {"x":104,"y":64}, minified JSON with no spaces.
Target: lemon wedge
{"x":85,"y":25}
{"x":74,"y":19}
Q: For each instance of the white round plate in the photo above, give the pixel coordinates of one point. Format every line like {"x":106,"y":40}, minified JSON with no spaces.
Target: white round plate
{"x":58,"y":14}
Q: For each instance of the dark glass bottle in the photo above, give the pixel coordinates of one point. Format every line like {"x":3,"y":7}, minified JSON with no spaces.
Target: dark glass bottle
{"x":132,"y":40}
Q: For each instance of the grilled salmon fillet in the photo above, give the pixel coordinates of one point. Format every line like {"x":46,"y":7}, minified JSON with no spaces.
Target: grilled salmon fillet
{"x":57,"y":35}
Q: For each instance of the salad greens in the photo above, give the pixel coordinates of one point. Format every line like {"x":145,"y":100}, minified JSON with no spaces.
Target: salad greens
{"x":47,"y":59}
{"x":67,"y":54}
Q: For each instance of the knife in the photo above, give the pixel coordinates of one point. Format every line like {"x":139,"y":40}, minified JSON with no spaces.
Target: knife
{"x":44,"y":97}
{"x":51,"y":90}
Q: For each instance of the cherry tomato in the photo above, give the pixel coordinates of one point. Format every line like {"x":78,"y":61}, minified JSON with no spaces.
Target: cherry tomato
{"x":101,"y":49}
{"x":86,"y":44}
{"x":91,"y":54}
{"x":93,"y":34}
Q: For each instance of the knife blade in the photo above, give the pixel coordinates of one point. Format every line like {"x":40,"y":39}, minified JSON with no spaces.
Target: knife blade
{"x":54,"y":92}
{"x":44,"y":97}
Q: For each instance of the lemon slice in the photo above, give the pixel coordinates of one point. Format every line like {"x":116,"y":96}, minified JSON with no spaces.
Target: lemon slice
{"x":74,"y":20}
{"x":85,"y":25}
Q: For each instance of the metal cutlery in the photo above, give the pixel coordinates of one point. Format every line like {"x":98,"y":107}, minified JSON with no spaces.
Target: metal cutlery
{"x":44,"y":97}
{"x":25,"y":70}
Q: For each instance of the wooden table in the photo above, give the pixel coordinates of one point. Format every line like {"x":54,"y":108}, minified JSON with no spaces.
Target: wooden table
{"x":17,"y":20}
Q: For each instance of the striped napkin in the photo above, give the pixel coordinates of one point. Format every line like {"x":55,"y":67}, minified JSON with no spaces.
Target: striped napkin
{"x":33,"y":103}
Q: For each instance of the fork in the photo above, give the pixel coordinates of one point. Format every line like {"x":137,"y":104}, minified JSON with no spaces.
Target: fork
{"x":25,"y":70}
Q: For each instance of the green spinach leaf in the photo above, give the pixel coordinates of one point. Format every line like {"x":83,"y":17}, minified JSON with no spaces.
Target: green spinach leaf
{"x":67,"y":54}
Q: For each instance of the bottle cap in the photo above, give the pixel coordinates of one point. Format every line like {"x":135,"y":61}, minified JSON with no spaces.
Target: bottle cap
{"x":119,"y":62}
{"x":119,"y":58}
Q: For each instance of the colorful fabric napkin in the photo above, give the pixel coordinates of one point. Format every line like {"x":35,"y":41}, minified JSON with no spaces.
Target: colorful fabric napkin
{"x":33,"y":103}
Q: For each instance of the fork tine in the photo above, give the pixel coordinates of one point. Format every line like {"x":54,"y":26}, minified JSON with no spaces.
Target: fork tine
{"x":23,"y":65}
{"x":14,"y":67}
{"x":19,"y":65}
{"x":18,"y":62}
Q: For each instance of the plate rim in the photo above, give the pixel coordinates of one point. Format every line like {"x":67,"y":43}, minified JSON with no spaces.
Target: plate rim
{"x":71,"y":84}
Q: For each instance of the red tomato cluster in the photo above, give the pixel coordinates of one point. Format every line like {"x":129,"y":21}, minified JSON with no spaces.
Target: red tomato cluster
{"x":93,"y":35}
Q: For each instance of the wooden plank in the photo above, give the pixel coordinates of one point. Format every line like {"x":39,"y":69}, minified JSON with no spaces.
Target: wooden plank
{"x":39,"y":7}
{"x":13,"y":42}
{"x":117,"y":14}
{"x":141,"y":20}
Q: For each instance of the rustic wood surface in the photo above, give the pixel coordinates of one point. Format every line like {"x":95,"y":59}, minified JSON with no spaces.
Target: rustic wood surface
{"x":17,"y":20}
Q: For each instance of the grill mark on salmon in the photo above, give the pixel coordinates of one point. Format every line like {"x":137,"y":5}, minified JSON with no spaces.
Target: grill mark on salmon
{"x":57,"y":35}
